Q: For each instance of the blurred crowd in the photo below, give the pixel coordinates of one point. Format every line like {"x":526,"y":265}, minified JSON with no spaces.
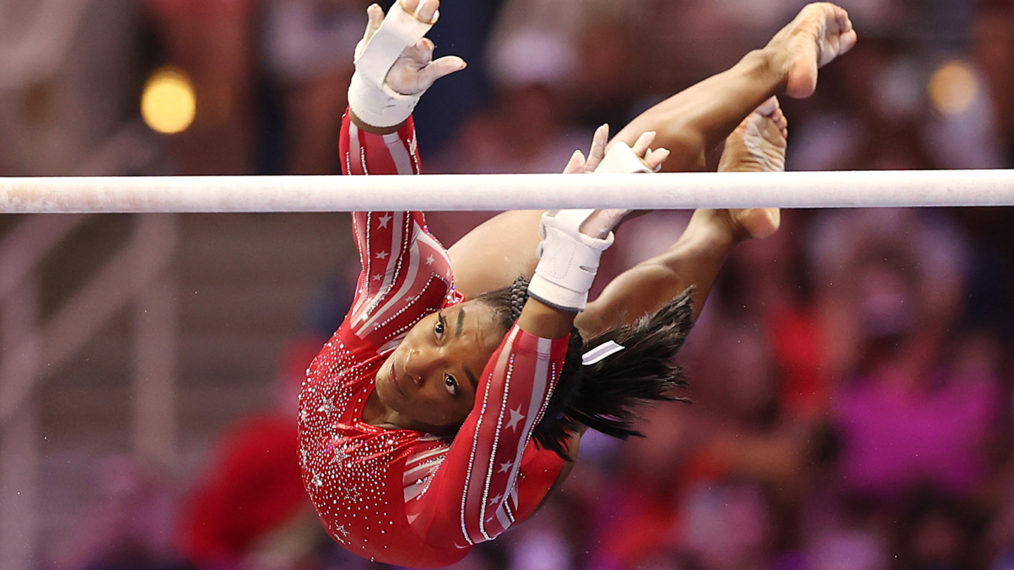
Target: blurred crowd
{"x":851,"y":375}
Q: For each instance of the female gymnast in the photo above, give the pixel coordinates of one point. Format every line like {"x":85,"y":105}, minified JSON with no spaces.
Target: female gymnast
{"x":447,"y":405}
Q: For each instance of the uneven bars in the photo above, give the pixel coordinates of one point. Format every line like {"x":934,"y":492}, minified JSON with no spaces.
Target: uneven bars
{"x":506,"y":191}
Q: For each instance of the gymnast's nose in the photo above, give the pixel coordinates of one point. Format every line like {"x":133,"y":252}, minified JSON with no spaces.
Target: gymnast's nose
{"x":417,"y":365}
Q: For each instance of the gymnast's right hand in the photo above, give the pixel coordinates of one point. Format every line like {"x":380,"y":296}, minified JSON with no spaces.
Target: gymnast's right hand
{"x":415,"y":69}
{"x":394,"y":63}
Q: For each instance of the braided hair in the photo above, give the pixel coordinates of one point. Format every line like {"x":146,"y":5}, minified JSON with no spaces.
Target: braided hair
{"x":605,"y":395}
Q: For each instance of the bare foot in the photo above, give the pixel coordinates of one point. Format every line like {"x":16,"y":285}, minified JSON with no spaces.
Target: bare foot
{"x":757,"y":145}
{"x":817,"y":35}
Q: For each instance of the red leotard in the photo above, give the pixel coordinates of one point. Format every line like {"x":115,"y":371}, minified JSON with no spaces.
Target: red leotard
{"x":402,"y":496}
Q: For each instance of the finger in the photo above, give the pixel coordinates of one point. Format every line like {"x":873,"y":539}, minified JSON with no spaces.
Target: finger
{"x":375,"y":14}
{"x":598,"y":147}
{"x":643,"y":142}
{"x":421,"y":53}
{"x":441,"y":67}
{"x":601,"y":222}
{"x":576,"y":164}
{"x":427,"y":9}
{"x":409,"y":6}
{"x":654,"y":158}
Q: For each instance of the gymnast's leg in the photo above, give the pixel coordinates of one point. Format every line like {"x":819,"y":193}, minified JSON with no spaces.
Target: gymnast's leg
{"x":757,"y":145}
{"x":688,"y":124}
{"x":695,"y":120}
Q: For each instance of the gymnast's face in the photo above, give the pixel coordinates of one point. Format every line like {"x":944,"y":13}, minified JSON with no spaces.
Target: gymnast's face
{"x":431,"y":378}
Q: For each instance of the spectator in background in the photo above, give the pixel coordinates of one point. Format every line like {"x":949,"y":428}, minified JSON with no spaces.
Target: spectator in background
{"x":936,"y":533}
{"x":1000,"y":534}
{"x":730,"y":525}
{"x":910,"y":416}
{"x":249,"y":510}
{"x":68,"y":99}
{"x":910,"y":409}
{"x":936,"y":253}
{"x":212,"y":42}
{"x":530,"y":70}
{"x":638,"y":515}
{"x":466,"y":32}
{"x":127,"y":524}
{"x":993,"y":50}
{"x":306,"y":45}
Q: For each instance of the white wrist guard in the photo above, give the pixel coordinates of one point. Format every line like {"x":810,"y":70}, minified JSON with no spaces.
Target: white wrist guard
{"x":568,"y":261}
{"x":370,"y":98}
{"x":621,"y":159}
{"x":379,"y":107}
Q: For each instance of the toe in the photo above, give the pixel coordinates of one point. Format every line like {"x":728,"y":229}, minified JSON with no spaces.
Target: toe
{"x":768,"y":107}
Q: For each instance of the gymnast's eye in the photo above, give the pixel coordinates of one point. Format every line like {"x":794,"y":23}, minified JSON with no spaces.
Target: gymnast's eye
{"x":438,"y":328}
{"x":451,"y":384}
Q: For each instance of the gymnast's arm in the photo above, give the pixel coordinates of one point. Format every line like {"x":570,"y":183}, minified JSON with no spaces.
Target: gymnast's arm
{"x":694,"y":260}
{"x":395,"y":66}
{"x":367,"y":150}
{"x":473,"y":495}
{"x":695,"y":120}
{"x":392,"y":245}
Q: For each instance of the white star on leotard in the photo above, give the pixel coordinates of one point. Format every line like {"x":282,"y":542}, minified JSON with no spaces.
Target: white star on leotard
{"x":382,"y":255}
{"x":341,"y":532}
{"x":505,"y":467}
{"x":516,"y":417}
{"x":384,"y":220}
{"x":340,"y":455}
{"x":494,"y":500}
{"x":353,"y":494}
{"x":328,"y":407}
{"x":430,"y":259}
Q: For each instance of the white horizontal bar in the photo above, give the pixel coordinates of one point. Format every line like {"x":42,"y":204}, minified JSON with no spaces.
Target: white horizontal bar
{"x":507,"y":191}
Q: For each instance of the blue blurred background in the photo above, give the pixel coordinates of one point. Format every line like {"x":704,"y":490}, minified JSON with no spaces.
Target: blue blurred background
{"x":852,"y":375}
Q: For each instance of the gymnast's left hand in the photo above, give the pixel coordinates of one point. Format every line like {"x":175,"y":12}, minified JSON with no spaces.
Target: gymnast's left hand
{"x":601,"y":222}
{"x":652,"y":159}
{"x":415,"y":69}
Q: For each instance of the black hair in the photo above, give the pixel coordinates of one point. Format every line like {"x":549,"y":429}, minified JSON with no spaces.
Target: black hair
{"x":606,"y":395}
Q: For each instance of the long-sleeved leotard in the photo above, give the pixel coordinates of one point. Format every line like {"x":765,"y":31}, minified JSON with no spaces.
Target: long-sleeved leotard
{"x":402,"y":496}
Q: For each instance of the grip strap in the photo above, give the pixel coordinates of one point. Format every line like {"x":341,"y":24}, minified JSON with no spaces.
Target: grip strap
{"x":621,"y":159}
{"x":568,"y":261}
{"x":370,"y":98}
